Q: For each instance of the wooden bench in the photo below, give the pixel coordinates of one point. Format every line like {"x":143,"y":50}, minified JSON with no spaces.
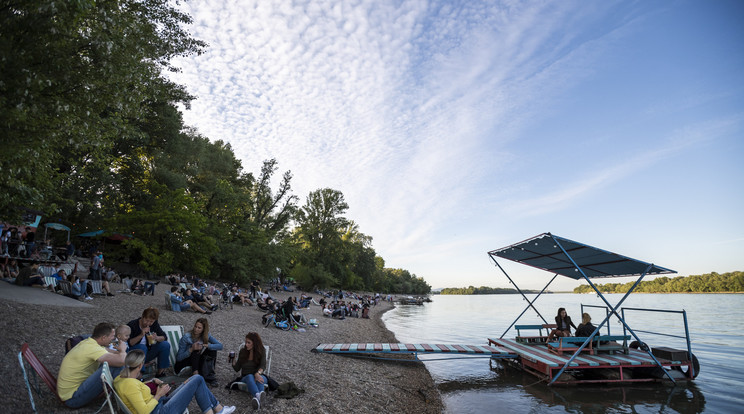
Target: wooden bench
{"x":539,"y":339}
{"x":570,"y":344}
{"x":608,"y":343}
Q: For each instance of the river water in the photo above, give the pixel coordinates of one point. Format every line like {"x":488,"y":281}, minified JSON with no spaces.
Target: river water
{"x":476,"y":385}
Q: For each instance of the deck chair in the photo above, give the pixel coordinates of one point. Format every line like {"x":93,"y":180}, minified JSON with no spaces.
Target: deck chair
{"x":97,"y":287}
{"x":50,"y":281}
{"x":39,"y":370}
{"x":174,"y":334}
{"x":66,"y":287}
{"x":109,"y":392}
{"x":127,"y":281}
{"x":168,"y":304}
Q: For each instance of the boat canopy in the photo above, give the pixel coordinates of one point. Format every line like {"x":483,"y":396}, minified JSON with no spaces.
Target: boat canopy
{"x":544,"y":252}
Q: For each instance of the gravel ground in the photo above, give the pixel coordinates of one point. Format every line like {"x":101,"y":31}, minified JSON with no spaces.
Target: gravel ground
{"x":333,"y":384}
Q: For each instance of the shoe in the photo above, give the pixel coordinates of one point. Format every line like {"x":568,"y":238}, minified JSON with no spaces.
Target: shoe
{"x":88,"y":298}
{"x":109,"y":294}
{"x":255,"y":403}
{"x":262,"y":397}
{"x":207,"y":312}
{"x":227,"y":409}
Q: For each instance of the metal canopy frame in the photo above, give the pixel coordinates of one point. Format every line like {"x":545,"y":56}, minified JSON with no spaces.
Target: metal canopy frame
{"x":576,"y":260}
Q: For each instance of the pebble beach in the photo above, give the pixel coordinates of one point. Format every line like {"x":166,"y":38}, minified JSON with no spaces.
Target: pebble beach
{"x":332,"y":383}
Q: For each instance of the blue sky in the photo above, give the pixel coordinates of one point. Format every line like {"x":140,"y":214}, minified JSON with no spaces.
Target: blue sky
{"x":455,"y":128}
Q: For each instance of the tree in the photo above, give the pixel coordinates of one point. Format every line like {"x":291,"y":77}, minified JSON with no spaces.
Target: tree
{"x":75,"y":77}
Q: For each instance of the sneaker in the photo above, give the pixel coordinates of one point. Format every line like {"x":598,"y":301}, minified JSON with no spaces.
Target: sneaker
{"x":109,"y":294}
{"x":262,"y":397}
{"x":227,"y":409}
{"x":255,"y":403}
{"x":207,"y":312}
{"x":88,"y":298}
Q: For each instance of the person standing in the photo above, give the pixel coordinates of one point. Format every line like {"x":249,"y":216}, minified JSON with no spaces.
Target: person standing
{"x":79,"y":379}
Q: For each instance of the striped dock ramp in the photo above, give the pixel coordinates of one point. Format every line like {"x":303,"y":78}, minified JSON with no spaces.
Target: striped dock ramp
{"x":415,"y":349}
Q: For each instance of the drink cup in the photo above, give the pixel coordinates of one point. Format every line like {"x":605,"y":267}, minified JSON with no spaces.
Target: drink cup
{"x":231,"y":357}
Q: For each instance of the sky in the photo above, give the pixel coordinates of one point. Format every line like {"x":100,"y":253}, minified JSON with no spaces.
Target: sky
{"x":456,"y":128}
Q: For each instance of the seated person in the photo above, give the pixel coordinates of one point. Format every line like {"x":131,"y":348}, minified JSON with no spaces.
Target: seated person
{"x":586,"y":328}
{"x":148,"y":336}
{"x":365,"y":311}
{"x":178,"y":303}
{"x":78,"y":288}
{"x":12,"y":270}
{"x":239,"y":296}
{"x":251,"y":363}
{"x":79,"y":379}
{"x":194,"y":346}
{"x":30,"y":276}
{"x":122,"y":334}
{"x":139,"y":399}
{"x":203,"y":300}
{"x":563,"y":323}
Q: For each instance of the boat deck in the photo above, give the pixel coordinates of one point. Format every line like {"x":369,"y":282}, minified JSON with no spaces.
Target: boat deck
{"x":610,"y":367}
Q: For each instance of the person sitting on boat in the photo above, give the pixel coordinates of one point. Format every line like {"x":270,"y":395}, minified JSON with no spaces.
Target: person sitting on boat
{"x":586,"y":328}
{"x":563,"y":323}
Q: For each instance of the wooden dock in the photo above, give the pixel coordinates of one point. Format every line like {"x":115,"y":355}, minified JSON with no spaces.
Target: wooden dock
{"x":585,"y":368}
{"x":451,"y":350}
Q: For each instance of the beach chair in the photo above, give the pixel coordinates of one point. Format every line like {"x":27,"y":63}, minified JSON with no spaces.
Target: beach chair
{"x":97,"y":287}
{"x":66,"y":287}
{"x":174,"y":334}
{"x":127,"y":281}
{"x":39,"y":370}
{"x":50,"y":281}
{"x":109,"y":391}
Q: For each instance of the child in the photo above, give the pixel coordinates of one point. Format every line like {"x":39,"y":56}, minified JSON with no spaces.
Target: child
{"x":121,"y":335}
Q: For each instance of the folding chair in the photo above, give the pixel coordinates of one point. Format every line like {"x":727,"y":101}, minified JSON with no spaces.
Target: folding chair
{"x":39,"y":370}
{"x":108,"y":391}
{"x":66,"y":287}
{"x":97,"y":287}
{"x":174,"y":334}
{"x":50,"y":281}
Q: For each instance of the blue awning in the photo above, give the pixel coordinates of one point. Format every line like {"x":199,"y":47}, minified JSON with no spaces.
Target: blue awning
{"x":91,"y":233}
{"x":544,"y":252}
{"x":57,"y":226}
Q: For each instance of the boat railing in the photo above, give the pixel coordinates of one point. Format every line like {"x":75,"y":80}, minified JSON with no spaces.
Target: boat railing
{"x":607,"y":312}
{"x":686,"y":336}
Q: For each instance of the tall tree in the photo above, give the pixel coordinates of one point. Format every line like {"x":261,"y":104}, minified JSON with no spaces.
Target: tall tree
{"x":75,"y":77}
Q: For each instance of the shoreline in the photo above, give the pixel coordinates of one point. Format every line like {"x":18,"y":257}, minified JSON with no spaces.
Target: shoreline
{"x":333,"y":383}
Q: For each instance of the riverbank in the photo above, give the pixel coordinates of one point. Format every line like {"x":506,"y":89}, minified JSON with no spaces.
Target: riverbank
{"x":332,"y":384}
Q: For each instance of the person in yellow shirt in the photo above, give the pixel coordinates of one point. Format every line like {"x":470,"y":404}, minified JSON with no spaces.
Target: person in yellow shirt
{"x":139,"y":399}
{"x":79,"y":379}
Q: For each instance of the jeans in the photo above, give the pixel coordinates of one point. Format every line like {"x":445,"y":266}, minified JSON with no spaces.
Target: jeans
{"x":253,"y":386}
{"x":149,"y":288}
{"x":160,"y":350}
{"x":90,"y":388}
{"x":181,"y":398}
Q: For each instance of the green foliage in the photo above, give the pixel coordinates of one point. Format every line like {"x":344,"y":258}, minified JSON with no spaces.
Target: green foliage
{"x":483,"y":290}
{"x":707,"y":283}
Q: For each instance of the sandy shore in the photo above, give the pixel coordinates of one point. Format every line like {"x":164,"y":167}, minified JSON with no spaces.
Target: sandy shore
{"x":333,"y":384}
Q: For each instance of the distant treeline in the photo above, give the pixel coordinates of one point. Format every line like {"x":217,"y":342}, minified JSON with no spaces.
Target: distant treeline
{"x":709,"y":282}
{"x":483,"y":290}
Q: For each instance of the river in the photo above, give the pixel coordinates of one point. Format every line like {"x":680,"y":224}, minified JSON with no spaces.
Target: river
{"x":480,"y":386}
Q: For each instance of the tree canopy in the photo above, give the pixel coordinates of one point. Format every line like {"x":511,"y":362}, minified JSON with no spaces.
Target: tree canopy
{"x":707,"y":283}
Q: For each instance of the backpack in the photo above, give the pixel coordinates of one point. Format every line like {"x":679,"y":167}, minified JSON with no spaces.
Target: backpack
{"x":206,"y":368}
{"x":71,"y":342}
